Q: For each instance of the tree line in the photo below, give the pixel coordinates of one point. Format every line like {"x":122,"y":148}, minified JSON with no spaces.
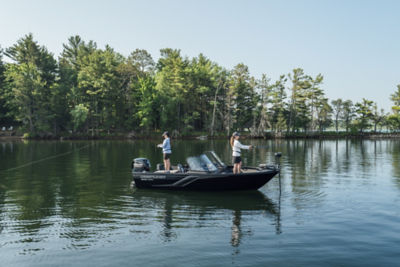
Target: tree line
{"x":89,"y":90}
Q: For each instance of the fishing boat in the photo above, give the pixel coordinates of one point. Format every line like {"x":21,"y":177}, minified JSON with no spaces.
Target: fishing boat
{"x":205,"y":172}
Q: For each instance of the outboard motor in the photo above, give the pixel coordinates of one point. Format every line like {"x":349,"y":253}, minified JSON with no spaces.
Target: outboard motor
{"x":141,"y":165}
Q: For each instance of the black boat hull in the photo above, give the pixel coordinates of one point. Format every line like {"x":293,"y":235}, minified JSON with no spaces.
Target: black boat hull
{"x":204,"y":182}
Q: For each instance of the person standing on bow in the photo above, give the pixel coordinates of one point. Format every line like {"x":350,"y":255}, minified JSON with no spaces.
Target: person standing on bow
{"x":236,"y":146}
{"x":166,"y":149}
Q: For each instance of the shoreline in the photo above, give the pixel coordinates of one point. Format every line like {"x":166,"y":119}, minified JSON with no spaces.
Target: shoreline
{"x":156,"y":136}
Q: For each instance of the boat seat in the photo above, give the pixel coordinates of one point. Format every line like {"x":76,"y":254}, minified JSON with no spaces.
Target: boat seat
{"x":173,"y":169}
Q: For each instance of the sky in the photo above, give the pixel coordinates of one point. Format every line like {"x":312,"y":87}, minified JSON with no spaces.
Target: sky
{"x":354,"y":44}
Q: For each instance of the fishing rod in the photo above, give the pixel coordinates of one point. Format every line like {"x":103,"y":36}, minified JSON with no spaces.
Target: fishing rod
{"x":44,"y":159}
{"x":261,"y":146}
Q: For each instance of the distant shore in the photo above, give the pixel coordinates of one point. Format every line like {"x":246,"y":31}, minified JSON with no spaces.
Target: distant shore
{"x":203,"y":136}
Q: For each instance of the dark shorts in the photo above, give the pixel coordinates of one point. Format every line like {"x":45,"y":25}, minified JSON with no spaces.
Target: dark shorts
{"x":167,"y":155}
{"x":236,"y":160}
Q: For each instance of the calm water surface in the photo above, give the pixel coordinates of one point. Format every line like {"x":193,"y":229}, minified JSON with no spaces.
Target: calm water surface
{"x":337,"y":203}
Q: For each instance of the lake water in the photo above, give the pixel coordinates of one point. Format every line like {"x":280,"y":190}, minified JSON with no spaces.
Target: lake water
{"x":336,"y":203}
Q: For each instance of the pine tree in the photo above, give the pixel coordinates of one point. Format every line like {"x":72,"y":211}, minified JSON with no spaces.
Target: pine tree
{"x":33,"y":81}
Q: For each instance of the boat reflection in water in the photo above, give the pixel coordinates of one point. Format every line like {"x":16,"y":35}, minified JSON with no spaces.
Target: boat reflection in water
{"x":182,"y":209}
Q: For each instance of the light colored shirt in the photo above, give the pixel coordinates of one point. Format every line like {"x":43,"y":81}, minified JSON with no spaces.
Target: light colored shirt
{"x":236,"y":148}
{"x":166,"y":146}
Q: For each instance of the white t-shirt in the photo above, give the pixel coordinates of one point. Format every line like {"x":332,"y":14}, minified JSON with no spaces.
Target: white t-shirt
{"x":236,"y":148}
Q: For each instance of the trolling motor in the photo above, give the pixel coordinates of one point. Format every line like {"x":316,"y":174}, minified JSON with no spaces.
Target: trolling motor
{"x":278,"y":156}
{"x":276,"y":166}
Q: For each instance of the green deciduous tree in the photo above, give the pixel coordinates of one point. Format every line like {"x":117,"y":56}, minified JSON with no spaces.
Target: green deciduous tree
{"x":364,"y":113}
{"x":79,"y":116}
{"x":378,"y":117}
{"x":6,"y":116}
{"x":148,"y":107}
{"x":395,"y":97}
{"x":99,"y":80}
{"x":323,"y":113}
{"x":348,"y":113}
{"x":393,"y":121}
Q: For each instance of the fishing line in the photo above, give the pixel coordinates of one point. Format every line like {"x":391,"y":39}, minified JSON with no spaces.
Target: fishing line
{"x":44,"y":159}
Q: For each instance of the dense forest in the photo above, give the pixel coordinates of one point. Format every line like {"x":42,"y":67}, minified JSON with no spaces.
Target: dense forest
{"x":93,"y":91}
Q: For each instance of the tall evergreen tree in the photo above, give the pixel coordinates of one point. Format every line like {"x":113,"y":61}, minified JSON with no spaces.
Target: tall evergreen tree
{"x":315,"y":99}
{"x":142,"y":61}
{"x":171,"y":85}
{"x":299,"y":113}
{"x":337,"y":106}
{"x":279,"y":106}
{"x":220,"y":109}
{"x":264,"y":105}
{"x":33,"y":81}
{"x":243,"y":94}
{"x":202,"y":81}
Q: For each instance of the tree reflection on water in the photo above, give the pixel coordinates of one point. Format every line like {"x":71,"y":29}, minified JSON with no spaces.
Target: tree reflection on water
{"x":201,"y":209}
{"x":82,"y":198}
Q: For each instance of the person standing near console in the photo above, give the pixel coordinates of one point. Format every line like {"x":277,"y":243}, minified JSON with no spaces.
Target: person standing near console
{"x":166,"y":149}
{"x":236,"y":146}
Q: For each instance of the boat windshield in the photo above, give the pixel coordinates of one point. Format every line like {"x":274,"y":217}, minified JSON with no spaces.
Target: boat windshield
{"x":201,"y":163}
{"x":215,"y":159}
